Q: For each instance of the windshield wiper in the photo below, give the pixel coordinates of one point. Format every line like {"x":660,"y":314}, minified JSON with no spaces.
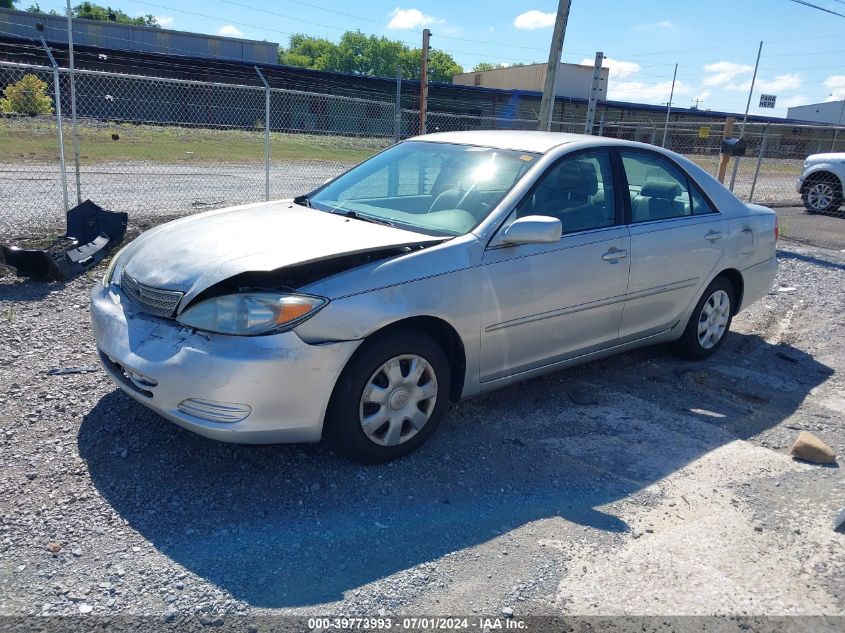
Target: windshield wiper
{"x":367,"y":218}
{"x":304,"y":201}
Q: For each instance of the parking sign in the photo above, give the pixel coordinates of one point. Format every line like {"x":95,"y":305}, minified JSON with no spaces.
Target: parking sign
{"x":767,"y":101}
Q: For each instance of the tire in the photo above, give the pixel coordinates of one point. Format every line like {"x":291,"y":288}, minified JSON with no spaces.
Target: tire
{"x":406,"y":414}
{"x":712,"y":310}
{"x":822,"y":194}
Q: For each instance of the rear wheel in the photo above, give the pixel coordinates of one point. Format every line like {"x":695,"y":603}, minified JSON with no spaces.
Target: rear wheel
{"x":390,"y":397}
{"x":822,"y":194}
{"x":709,"y":323}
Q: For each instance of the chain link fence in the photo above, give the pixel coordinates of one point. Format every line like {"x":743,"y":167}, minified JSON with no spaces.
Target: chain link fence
{"x":161,"y":147}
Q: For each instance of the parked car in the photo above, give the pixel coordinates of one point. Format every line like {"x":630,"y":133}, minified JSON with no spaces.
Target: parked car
{"x":443,"y":267}
{"x":820,"y":182}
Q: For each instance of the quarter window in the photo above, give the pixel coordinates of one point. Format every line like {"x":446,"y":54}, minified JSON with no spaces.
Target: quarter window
{"x":700,"y":206}
{"x":578,"y":191}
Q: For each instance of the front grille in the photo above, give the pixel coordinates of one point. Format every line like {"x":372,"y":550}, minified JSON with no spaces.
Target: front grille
{"x":160,"y":303}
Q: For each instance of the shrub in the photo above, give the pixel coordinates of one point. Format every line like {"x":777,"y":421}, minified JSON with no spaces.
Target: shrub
{"x":26,"y":96}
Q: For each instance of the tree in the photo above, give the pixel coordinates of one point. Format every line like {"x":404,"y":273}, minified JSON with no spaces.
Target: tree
{"x":35,"y":8}
{"x":7,"y":4}
{"x":26,"y":96}
{"x":362,"y":54}
{"x":308,"y":52}
{"x":91,"y":11}
{"x":482,"y":66}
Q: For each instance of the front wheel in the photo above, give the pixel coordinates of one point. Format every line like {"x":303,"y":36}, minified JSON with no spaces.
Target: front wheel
{"x":390,"y":397}
{"x":821,"y":196}
{"x":709,"y":323}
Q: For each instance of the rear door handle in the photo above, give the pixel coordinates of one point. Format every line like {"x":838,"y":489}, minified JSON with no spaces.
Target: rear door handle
{"x":713,"y":236}
{"x":614,"y":254}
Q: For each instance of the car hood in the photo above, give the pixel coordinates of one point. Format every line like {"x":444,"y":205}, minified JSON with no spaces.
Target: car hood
{"x":825,"y":158}
{"x":194,"y":253}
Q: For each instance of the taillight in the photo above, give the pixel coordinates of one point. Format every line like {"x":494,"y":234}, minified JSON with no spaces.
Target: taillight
{"x":777,"y":229}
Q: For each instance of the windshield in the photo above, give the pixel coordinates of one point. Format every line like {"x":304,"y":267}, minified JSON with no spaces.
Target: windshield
{"x":436,"y":188}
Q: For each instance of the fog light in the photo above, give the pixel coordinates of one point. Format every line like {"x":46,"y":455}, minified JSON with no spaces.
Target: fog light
{"x":226,"y":412}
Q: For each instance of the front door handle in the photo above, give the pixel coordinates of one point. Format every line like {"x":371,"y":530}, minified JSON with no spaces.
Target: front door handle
{"x":613,"y":254}
{"x":712,"y":236}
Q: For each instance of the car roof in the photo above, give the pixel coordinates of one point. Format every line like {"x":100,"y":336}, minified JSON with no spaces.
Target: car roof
{"x":520,"y":140}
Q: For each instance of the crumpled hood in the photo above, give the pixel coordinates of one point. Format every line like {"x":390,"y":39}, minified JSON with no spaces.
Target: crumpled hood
{"x":193,"y":253}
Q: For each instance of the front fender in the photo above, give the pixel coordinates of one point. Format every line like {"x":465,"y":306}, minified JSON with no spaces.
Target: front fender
{"x":453,"y":297}
{"x":831,"y":168}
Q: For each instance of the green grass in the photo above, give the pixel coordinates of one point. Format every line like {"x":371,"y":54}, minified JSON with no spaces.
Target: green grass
{"x":35,"y":140}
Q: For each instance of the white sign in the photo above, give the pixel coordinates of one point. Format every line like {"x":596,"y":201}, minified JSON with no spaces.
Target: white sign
{"x":767,"y":101}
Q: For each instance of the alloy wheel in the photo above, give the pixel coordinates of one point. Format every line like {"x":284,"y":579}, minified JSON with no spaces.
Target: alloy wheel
{"x":820,"y":196}
{"x":398,"y":400}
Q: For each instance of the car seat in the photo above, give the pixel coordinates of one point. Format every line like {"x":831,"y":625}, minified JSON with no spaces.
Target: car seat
{"x":657,"y":200}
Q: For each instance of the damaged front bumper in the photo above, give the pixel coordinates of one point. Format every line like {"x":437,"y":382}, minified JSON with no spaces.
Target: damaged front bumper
{"x":251,"y":390}
{"x":91,"y":233}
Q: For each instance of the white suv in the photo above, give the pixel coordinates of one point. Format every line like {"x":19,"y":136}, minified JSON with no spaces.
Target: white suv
{"x":820,"y":182}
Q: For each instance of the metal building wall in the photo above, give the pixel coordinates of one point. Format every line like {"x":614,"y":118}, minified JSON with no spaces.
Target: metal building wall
{"x":573,"y":80}
{"x":137,"y":38}
{"x":828,"y":112}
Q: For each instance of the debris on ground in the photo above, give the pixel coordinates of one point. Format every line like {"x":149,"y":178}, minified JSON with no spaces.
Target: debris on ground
{"x":64,"y":371}
{"x":809,"y":448}
{"x":91,"y":233}
{"x":839,"y":521}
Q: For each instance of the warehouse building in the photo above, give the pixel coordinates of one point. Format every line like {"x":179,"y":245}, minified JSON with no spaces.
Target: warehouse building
{"x":203,"y":58}
{"x":830,"y":112}
{"x":130,"y":37}
{"x":571,"y":80}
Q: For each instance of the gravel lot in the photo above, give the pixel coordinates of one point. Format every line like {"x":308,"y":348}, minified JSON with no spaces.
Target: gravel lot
{"x":641,"y":484}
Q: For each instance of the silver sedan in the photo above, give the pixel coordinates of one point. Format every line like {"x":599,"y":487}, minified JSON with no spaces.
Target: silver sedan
{"x":444,"y":267}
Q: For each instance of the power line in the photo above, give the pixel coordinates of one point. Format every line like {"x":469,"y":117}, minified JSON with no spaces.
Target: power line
{"x":815,"y":6}
{"x":382,"y":23}
{"x":271,"y":30}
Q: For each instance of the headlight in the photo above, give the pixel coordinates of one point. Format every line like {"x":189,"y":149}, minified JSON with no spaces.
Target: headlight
{"x":107,"y":278}
{"x":250,"y":313}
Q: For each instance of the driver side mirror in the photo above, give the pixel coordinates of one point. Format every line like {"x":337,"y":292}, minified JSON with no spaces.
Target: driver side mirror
{"x":533,"y":229}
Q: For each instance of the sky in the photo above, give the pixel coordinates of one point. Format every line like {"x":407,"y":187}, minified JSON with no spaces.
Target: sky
{"x":714,"y":42}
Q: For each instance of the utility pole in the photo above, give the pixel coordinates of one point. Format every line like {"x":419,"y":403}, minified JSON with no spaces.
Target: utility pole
{"x":548,"y":101}
{"x":669,"y":106}
{"x":424,"y":80}
{"x":594,"y":93}
{"x":75,"y":135}
{"x":747,"y":106}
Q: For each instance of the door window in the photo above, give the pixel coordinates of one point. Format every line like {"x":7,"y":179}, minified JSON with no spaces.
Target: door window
{"x":578,"y":191}
{"x":658,"y":189}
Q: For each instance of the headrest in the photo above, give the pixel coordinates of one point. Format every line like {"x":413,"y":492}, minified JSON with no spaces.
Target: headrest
{"x":663,"y":189}
{"x":577,"y":178}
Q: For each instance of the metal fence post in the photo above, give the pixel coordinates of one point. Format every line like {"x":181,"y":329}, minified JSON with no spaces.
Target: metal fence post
{"x":57,"y":89}
{"x":266,"y":134}
{"x":759,"y":162}
{"x":74,"y":128}
{"x":397,"y":110}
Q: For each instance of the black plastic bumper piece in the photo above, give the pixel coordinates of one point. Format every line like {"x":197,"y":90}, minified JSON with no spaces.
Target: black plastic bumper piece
{"x":91,"y":233}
